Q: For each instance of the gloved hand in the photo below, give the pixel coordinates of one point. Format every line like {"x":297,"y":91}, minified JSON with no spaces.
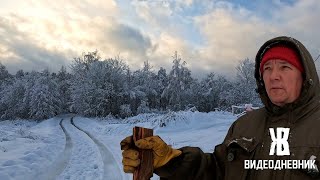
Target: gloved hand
{"x":162,"y":153}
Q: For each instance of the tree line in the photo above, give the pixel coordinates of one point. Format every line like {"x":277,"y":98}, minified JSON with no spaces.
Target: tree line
{"x":97,"y":87}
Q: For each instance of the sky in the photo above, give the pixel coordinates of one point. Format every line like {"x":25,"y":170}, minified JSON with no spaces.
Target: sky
{"x":210,"y":35}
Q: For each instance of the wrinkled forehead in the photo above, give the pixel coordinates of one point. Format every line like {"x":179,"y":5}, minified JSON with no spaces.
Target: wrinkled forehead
{"x":277,"y":61}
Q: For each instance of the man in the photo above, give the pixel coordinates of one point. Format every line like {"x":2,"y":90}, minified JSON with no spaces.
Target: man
{"x":288,"y":85}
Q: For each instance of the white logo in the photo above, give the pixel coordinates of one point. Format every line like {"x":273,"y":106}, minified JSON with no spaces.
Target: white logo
{"x":281,"y":141}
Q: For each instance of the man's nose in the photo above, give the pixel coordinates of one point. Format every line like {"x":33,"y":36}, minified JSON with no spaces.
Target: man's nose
{"x":275,"y":74}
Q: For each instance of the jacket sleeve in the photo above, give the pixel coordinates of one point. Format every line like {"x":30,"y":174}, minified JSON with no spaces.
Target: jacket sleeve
{"x":193,"y":163}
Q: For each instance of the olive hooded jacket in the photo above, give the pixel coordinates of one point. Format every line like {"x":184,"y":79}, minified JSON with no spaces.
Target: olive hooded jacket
{"x":249,"y":139}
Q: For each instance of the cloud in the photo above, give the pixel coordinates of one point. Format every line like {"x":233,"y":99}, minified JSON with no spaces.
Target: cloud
{"x":19,"y":52}
{"x":220,"y":26}
{"x":234,"y":33}
{"x":156,"y":13}
{"x":47,"y":35}
{"x":231,"y":35}
{"x":301,"y":21}
{"x":164,"y":48}
{"x":129,"y":39}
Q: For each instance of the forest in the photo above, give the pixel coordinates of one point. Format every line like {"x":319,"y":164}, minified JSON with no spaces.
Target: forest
{"x":96,"y":87}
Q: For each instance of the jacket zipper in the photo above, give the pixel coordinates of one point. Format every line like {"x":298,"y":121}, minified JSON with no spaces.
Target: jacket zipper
{"x":289,"y":124}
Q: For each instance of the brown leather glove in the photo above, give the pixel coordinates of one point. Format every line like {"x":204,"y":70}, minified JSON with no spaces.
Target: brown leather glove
{"x":162,"y":153}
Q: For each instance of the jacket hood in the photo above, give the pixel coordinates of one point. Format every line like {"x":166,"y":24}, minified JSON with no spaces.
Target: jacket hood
{"x":310,"y":88}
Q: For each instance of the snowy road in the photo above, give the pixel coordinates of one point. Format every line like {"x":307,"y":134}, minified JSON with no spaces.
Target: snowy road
{"x":84,"y":156}
{"x":85,"y":159}
{"x":78,"y":154}
{"x":62,"y":160}
{"x":81,"y":158}
{"x":69,"y":147}
{"x":111,"y":170}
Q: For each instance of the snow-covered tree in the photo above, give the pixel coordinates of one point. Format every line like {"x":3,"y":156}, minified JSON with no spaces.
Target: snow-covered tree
{"x":19,"y":74}
{"x":162,"y":83}
{"x":143,"y":108}
{"x":5,"y":77}
{"x":15,"y":102}
{"x":245,"y":84}
{"x":99,"y":88}
{"x":125,"y":111}
{"x":162,"y":79}
{"x":29,"y":83}
{"x":207,"y":94}
{"x":80,"y":85}
{"x":4,"y":74}
{"x":11,"y":105}
{"x":180,"y":81}
{"x":145,"y":83}
{"x":63,"y":82}
{"x":45,"y":101}
{"x":224,"y":87}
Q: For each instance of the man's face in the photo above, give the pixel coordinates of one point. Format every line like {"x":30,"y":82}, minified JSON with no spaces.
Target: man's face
{"x":282,"y":80}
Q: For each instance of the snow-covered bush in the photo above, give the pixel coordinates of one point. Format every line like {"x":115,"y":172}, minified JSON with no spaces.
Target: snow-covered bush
{"x":143,"y":108}
{"x":125,"y":111}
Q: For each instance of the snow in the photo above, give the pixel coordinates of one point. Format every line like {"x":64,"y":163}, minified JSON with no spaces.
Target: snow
{"x":27,"y":148}
{"x":74,"y":147}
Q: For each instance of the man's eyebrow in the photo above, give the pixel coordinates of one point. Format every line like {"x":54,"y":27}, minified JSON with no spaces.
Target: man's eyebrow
{"x":267,"y":63}
{"x":284,"y":62}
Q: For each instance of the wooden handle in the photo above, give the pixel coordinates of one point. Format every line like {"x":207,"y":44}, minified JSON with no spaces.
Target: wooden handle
{"x":145,"y":170}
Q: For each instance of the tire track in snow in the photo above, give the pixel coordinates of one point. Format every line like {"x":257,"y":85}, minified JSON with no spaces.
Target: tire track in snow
{"x":85,"y":161}
{"x":111,"y":170}
{"x":62,"y":159}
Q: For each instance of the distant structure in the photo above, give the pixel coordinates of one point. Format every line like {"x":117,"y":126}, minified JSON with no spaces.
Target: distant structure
{"x":241,"y":110}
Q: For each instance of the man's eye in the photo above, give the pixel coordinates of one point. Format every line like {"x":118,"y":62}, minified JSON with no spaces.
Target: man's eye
{"x":266,"y":68}
{"x":285,"y":67}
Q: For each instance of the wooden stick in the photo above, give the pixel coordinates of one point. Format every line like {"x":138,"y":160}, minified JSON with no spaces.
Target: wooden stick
{"x":145,"y":170}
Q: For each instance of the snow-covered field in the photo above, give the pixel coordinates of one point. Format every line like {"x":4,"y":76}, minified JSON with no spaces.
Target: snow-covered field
{"x":73,"y":147}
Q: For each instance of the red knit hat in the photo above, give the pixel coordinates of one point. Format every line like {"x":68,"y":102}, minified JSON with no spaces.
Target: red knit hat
{"x":284,"y":53}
